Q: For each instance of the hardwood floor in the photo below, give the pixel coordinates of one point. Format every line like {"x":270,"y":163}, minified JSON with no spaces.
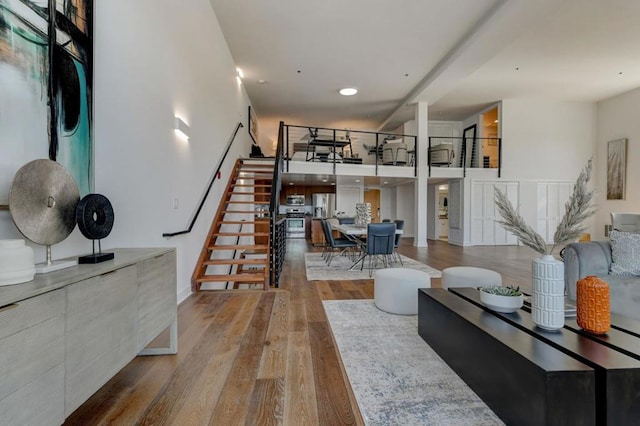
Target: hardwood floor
{"x":260,"y":358}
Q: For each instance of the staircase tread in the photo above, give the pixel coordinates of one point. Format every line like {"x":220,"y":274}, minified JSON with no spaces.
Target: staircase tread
{"x":254,"y":261}
{"x":254,"y":278}
{"x":241,"y":234}
{"x":237,"y":247}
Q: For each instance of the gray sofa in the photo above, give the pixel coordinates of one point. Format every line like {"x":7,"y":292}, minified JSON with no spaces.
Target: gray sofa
{"x":594,"y":258}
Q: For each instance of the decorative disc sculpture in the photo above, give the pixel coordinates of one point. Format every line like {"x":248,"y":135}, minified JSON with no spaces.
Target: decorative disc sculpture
{"x":95,"y":221}
{"x":42,"y":202}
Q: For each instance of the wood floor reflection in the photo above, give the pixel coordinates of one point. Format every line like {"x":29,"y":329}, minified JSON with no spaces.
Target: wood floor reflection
{"x":262,"y":358}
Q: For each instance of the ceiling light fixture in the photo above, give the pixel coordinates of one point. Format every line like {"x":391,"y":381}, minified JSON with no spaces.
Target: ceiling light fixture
{"x":348,"y":91}
{"x":357,"y":180}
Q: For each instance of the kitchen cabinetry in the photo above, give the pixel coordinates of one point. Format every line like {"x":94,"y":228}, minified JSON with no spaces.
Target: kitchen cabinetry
{"x":317,"y":234}
{"x":307,"y":191}
{"x":443,"y":227}
{"x":66,"y":333}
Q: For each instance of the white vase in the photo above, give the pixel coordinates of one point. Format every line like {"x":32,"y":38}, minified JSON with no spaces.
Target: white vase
{"x":16,"y":262}
{"x":547,"y":306}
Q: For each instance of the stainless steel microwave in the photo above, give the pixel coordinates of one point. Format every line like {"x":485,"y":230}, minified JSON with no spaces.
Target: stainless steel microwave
{"x":295,"y":200}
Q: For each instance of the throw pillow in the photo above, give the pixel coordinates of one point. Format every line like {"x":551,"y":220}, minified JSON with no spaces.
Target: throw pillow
{"x":625,"y":253}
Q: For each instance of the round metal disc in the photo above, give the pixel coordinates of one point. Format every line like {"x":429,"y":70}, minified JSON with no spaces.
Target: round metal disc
{"x":43,"y":200}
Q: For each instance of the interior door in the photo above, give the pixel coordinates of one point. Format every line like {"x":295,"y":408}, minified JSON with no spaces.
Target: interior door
{"x":484,"y":229}
{"x":552,"y":197}
{"x":372,"y":196}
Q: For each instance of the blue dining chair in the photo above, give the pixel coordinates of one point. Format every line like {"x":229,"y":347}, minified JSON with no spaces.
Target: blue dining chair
{"x":342,"y":244}
{"x":380,"y":242}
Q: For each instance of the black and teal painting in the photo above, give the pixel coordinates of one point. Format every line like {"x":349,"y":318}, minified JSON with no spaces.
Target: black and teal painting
{"x":46,"y":81}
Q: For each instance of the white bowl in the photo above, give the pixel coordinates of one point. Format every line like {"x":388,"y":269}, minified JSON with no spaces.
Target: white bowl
{"x":498,"y":303}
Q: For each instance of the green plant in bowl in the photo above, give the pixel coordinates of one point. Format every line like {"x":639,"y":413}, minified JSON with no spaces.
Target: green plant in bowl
{"x":502,"y":291}
{"x":501,"y":299}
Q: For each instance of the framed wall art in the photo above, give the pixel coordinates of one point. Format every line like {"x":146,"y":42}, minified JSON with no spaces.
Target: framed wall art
{"x":616,"y":169}
{"x":46,"y":67}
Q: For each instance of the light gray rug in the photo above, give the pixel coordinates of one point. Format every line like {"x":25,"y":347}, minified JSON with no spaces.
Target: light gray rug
{"x":317,"y":268}
{"x":396,"y":377}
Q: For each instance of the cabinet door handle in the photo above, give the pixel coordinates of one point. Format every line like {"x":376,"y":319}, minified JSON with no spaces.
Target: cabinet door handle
{"x":8,"y":307}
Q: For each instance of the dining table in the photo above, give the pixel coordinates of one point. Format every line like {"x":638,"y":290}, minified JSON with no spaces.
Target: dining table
{"x":356,"y":233}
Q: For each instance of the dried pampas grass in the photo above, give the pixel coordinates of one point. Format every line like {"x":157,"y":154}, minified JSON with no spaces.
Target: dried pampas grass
{"x":576,"y":210}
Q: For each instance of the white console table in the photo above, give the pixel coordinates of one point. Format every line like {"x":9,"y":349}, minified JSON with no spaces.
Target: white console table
{"x":66,"y":333}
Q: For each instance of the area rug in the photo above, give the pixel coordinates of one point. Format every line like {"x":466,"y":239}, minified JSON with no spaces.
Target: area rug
{"x":396,"y":377}
{"x":317,"y":268}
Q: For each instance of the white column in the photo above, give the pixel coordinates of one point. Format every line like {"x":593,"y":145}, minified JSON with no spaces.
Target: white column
{"x":421,"y":211}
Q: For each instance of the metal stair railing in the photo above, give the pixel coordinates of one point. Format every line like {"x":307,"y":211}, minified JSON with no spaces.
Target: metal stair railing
{"x":213,"y":178}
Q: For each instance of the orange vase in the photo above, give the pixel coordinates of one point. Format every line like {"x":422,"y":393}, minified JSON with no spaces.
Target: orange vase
{"x":593,"y":306}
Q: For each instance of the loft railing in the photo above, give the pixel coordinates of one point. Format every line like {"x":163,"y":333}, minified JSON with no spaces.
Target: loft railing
{"x":465,"y":153}
{"x":213,"y":178}
{"x":276,"y":229}
{"x":351,"y":147}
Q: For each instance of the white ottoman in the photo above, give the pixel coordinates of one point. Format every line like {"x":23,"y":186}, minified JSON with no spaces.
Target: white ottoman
{"x":469,"y":276}
{"x":395,"y":290}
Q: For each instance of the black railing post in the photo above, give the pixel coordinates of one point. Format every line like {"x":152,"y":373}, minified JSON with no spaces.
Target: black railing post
{"x":429,"y":157}
{"x":334,"y":151}
{"x":415,"y":156}
{"x":377,"y":148}
{"x":499,"y":157}
{"x":464,"y":157}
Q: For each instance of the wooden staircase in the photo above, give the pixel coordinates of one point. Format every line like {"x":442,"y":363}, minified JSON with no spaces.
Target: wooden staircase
{"x":236,"y":253}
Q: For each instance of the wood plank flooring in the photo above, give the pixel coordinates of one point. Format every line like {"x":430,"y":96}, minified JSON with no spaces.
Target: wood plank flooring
{"x":256,"y":358}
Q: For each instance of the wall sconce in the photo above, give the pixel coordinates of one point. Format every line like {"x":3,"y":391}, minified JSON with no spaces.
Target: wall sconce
{"x":182,"y":129}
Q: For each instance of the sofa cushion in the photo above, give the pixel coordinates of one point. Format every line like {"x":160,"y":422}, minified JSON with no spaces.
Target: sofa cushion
{"x":625,"y":253}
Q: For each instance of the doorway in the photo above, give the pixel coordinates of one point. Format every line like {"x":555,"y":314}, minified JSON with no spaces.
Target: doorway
{"x":490,"y":124}
{"x":442,"y":224}
{"x":372,"y":196}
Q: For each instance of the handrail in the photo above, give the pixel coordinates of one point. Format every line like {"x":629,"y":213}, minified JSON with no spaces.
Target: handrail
{"x":463,"y":153}
{"x":211,"y":181}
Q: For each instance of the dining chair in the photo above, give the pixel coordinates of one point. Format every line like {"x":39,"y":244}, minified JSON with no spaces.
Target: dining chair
{"x":343,"y":244}
{"x":380,"y":241}
{"x":399,"y":225}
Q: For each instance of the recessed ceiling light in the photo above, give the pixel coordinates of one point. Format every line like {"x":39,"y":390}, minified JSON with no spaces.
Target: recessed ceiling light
{"x":495,"y":121}
{"x":357,"y":180}
{"x":324,"y":180}
{"x":385,"y":182}
{"x":262,"y":81}
{"x":333,"y":183}
{"x":348,"y":91}
{"x":290,"y":183}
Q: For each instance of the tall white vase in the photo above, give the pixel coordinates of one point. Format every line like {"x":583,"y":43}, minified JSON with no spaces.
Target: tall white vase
{"x":547,"y":306}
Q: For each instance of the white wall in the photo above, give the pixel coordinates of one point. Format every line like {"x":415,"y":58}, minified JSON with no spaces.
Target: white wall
{"x":546,"y":139}
{"x":618,"y":118}
{"x":154,"y":59}
{"x":405,"y":208}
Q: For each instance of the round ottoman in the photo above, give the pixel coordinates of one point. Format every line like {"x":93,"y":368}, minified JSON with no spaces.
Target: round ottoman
{"x":469,"y":276}
{"x":395,"y":290}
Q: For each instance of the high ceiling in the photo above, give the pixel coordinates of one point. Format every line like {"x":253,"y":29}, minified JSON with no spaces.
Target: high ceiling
{"x":457,"y":55}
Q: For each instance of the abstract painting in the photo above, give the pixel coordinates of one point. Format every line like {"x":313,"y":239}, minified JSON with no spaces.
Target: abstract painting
{"x":616,"y":169}
{"x":46,"y":80}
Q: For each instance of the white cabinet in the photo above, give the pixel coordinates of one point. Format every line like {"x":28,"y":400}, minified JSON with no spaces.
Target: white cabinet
{"x":484,"y":229}
{"x":443,"y":228}
{"x":101,"y":314}
{"x":32,"y":361}
{"x":157,"y":297}
{"x":66,"y":333}
{"x":551,"y":198}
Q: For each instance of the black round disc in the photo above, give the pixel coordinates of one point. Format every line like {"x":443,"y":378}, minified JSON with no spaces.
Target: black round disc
{"x":95,"y":216}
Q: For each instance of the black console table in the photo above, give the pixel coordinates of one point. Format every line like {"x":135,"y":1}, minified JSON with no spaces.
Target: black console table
{"x":529,"y":376}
